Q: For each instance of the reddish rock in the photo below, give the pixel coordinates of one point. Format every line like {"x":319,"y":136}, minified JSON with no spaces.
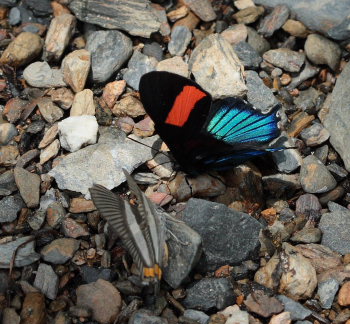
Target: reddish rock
{"x":33,"y":309}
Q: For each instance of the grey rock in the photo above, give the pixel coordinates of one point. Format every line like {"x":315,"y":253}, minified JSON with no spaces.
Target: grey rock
{"x":102,"y":163}
{"x":322,"y":153}
{"x":326,"y":292}
{"x":315,"y":177}
{"x":40,"y":75}
{"x":143,"y":316}
{"x":37,"y":219}
{"x":320,"y":50}
{"x":138,"y":65}
{"x":60,"y":250}
{"x":7,"y":184}
{"x":286,"y":160}
{"x":29,"y":186}
{"x":197,"y":316}
{"x":259,"y":43}
{"x":14,"y":16}
{"x":338,"y":119}
{"x":332,"y":206}
{"x":337,"y":171}
{"x":133,"y":16}
{"x":25,"y":255}
{"x":109,"y":49}
{"x":307,"y":100}
{"x":36,"y":127}
{"x":7,"y":133}
{"x":154,"y":50}
{"x":320,"y":16}
{"x":248,"y":55}
{"x":285,"y":58}
{"x":308,"y":72}
{"x":214,"y":53}
{"x":223,"y":231}
{"x":281,"y":184}
{"x":209,"y":293}
{"x":340,"y":31}
{"x":259,"y":95}
{"x":307,"y":235}
{"x":335,"y":229}
{"x":180,"y":38}
{"x":90,"y":274}
{"x":50,"y":112}
{"x":203,"y":9}
{"x":314,"y":135}
{"x":182,"y":257}
{"x":274,"y":21}
{"x":308,"y":206}
{"x":46,"y":280}
{"x":297,"y":311}
{"x":9,"y":207}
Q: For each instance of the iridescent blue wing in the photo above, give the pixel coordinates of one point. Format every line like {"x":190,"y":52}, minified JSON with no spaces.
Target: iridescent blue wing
{"x":237,"y":123}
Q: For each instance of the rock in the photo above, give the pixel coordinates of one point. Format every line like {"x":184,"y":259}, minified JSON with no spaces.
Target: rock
{"x":8,"y":155}
{"x":102,"y":298}
{"x":322,"y":153}
{"x":161,"y":16}
{"x":233,"y":315}
{"x":235,"y":34}
{"x":77,"y":131}
{"x":300,"y":121}
{"x":106,"y":160}
{"x":36,"y":127}
{"x":46,"y":281}
{"x":50,"y":151}
{"x":40,"y":75}
{"x":298,"y":279}
{"x":203,"y":10}
{"x":9,"y":207}
{"x":308,"y":72}
{"x":138,"y":65}
{"x":344,"y":294}
{"x":334,"y":228}
{"x":308,"y":206}
{"x":314,"y":135}
{"x":174,"y":65}
{"x":58,"y":36}
{"x":259,"y":43}
{"x":75,"y":68}
{"x":242,"y":4}
{"x":289,"y":160}
{"x":296,"y":310}
{"x":307,"y":235}
{"x":133,"y":16}
{"x":337,"y":119}
{"x":285,"y":58}
{"x":29,"y":186}
{"x":7,"y":133}
{"x":81,"y":205}
{"x":320,"y":50}
{"x":60,"y":250}
{"x":13,"y":109}
{"x":274,"y":20}
{"x":10,"y":316}
{"x":83,"y":104}
{"x":112,"y":91}
{"x":209,"y":293}
{"x":216,"y":52}
{"x":129,"y":106}
{"x":248,"y":15}
{"x":209,"y":219}
{"x":55,"y":214}
{"x":109,"y":50}
{"x":249,"y":57}
{"x":307,"y":100}
{"x":315,"y":177}
{"x":295,"y":28}
{"x":22,"y":50}
{"x":197,"y":316}
{"x":259,"y":303}
{"x":7,"y":183}
{"x":154,"y":49}
{"x":182,"y":257}
{"x":50,"y":112}
{"x":33,"y":309}
{"x":73,"y":229}
{"x":37,"y":219}
{"x":326,"y":292}
{"x":63,"y":97}
{"x":147,"y":317}
{"x":283,"y":318}
{"x":337,"y":171}
{"x":126,"y":124}
{"x":259,"y":95}
{"x":162,"y":165}
{"x":27,"y":157}
{"x":144,"y":128}
{"x":180,"y":38}
{"x":321,"y":257}
{"x":280,"y":184}
{"x":25,"y":255}
{"x":178,"y":13}
{"x":49,"y":136}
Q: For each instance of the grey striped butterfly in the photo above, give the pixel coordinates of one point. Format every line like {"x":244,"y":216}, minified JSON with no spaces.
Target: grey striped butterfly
{"x":140,"y":227}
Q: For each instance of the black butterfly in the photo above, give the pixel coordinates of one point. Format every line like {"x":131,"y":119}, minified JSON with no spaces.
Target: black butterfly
{"x":201,"y":134}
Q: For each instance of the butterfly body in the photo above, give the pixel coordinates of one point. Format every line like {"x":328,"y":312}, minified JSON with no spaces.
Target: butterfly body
{"x":201,"y":134}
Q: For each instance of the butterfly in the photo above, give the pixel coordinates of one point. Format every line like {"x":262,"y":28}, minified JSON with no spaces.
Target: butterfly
{"x":140,"y":227}
{"x":203,"y":134}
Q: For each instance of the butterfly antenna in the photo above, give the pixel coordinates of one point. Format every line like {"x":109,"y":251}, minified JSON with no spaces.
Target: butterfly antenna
{"x":158,"y":151}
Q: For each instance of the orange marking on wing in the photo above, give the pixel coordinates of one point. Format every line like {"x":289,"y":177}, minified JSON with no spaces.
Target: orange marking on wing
{"x":183,"y":105}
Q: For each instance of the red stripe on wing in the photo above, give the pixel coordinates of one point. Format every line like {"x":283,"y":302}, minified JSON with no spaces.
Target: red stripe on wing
{"x":183,"y":105}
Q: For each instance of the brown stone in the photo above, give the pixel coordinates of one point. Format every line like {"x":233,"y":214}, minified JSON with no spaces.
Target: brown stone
{"x":248,"y":15}
{"x":13,"y":109}
{"x":75,"y":69}
{"x":283,"y":318}
{"x":8,"y":155}
{"x":344,"y":294}
{"x":50,"y":151}
{"x":300,"y":121}
{"x":203,"y":9}
{"x":29,"y":186}
{"x":59,"y":9}
{"x":174,"y":65}
{"x":33,"y":309}
{"x":144,"y":128}
{"x":49,"y":136}
{"x":235,"y":34}
{"x":50,"y":112}
{"x":102,"y":298}
{"x":55,"y":213}
{"x":295,"y":28}
{"x":22,"y":50}
{"x":178,"y":13}
{"x":259,"y":303}
{"x":81,"y":205}
{"x":190,"y":21}
{"x":83,"y":104}
{"x":63,"y":97}
{"x":129,"y":106}
{"x":60,"y":250}
{"x":73,"y":229}
{"x":112,"y":91}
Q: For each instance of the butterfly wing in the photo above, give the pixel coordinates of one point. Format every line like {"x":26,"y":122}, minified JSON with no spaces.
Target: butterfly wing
{"x":179,"y":108}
